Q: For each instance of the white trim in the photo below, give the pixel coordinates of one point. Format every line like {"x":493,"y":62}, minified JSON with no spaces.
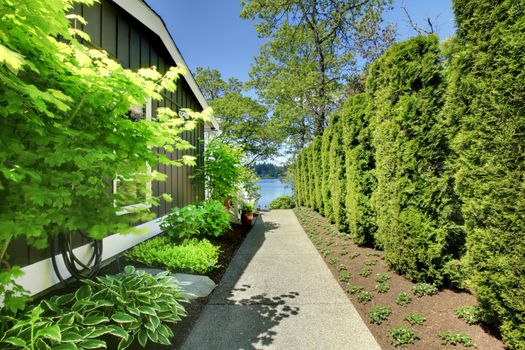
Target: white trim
{"x":41,"y":275}
{"x":144,"y":14}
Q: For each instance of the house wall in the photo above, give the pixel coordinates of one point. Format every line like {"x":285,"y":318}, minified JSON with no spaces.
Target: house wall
{"x":134,"y":46}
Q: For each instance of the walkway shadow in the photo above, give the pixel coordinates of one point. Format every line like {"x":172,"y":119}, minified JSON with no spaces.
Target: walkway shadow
{"x":231,"y":321}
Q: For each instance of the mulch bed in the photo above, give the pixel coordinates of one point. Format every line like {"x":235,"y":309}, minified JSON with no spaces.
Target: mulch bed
{"x":342,"y":257}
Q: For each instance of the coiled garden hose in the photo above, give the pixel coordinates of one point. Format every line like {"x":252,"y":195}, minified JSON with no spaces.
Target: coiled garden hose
{"x":78,"y":269}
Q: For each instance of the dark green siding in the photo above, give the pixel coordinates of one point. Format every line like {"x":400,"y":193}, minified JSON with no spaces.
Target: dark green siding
{"x":134,"y":46}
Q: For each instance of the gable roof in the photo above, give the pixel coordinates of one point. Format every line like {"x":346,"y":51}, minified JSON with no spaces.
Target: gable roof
{"x":144,"y":13}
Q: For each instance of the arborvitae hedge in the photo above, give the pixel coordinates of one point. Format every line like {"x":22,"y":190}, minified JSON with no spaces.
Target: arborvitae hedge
{"x":318,"y":174}
{"x":337,"y":172}
{"x":358,"y":166}
{"x":326,"y":187}
{"x":412,"y":201}
{"x":487,"y":99}
{"x":415,"y":142}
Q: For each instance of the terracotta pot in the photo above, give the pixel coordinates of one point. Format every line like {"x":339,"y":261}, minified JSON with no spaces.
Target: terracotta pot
{"x":228,"y":203}
{"x":247,"y":218}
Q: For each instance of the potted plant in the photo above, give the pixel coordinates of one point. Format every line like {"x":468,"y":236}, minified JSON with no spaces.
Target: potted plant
{"x":247,"y":213}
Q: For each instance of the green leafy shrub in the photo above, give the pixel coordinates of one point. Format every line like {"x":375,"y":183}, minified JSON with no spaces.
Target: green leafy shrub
{"x":415,"y":318}
{"x":421,"y":289}
{"x":282,"y":202}
{"x":382,"y":287}
{"x":247,"y":206}
{"x":455,"y":339}
{"x":353,"y":289}
{"x":199,"y":256}
{"x":379,"y":314}
{"x":203,"y":218}
{"x":364,"y":297}
{"x":222,"y":171}
{"x":487,"y":98}
{"x":471,"y":314}
{"x":403,"y":299}
{"x":401,"y":336}
{"x":365,"y":272}
{"x":415,"y":204}
{"x":345,"y":276}
{"x":130,"y":305}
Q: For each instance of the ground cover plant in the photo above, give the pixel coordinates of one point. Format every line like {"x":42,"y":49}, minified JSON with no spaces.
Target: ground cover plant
{"x":379,"y":314}
{"x":190,"y":255}
{"x":455,"y":339}
{"x":402,"y":336}
{"x":427,"y":316}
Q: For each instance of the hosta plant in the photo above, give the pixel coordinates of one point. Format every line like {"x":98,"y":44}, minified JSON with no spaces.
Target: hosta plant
{"x":382,"y":287}
{"x":130,"y":305}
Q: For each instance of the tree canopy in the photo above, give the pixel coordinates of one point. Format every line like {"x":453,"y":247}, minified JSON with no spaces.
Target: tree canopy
{"x":244,"y":121}
{"x":314,"y":48}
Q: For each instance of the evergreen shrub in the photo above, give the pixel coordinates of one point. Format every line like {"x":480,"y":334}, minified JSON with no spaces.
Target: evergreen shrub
{"x":413,"y":199}
{"x":486,"y":97}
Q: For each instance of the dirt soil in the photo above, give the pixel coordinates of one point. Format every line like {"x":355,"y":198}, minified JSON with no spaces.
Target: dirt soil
{"x":341,"y":256}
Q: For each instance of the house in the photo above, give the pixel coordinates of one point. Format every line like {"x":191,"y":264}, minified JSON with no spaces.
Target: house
{"x":133,"y":34}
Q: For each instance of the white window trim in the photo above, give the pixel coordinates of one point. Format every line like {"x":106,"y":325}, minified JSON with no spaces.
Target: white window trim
{"x":139,"y":206}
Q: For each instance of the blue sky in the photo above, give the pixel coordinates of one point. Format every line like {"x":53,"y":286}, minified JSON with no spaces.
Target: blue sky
{"x":209,"y":33}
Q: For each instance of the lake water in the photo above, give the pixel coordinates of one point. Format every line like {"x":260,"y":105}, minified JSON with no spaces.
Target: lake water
{"x":271,"y":189}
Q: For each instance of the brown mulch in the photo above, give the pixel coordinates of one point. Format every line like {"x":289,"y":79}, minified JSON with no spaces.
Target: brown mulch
{"x":438,"y":309}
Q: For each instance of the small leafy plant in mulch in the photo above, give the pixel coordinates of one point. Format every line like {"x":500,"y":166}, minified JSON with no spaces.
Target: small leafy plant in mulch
{"x":353,"y":255}
{"x":402,"y":336}
{"x":353,"y":289}
{"x":379,"y":314}
{"x":421,"y":289}
{"x":344,"y":276}
{"x":326,"y":251}
{"x":382,"y":277}
{"x":370,"y":262}
{"x":470,"y":314}
{"x":382,"y":287}
{"x":377,"y":254}
{"x":342,"y":267}
{"x":364,"y":297}
{"x":332,"y":260}
{"x":365,"y":272}
{"x":455,"y":339}
{"x":403,"y":299}
{"x":415,"y":319}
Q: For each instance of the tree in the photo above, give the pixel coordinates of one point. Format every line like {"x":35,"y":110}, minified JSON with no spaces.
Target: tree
{"x":313,"y":49}
{"x":64,"y":130}
{"x":244,"y":122}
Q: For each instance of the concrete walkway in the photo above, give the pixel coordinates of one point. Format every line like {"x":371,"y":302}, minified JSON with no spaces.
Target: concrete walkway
{"x":278,"y":294}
